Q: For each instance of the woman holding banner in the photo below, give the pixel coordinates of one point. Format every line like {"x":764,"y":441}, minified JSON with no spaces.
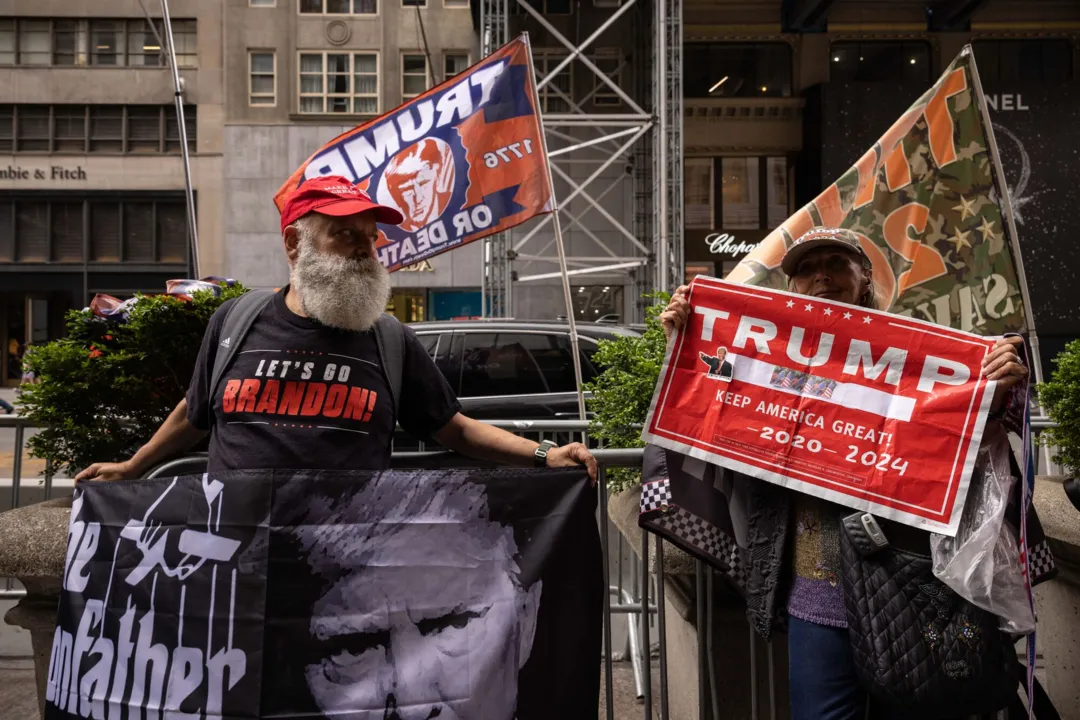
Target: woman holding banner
{"x":804,"y":572}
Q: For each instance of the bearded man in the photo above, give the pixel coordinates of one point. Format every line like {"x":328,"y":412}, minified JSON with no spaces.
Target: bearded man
{"x":306,"y":388}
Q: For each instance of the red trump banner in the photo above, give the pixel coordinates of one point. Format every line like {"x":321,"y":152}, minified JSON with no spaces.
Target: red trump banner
{"x":862,"y":408}
{"x":462,"y":161}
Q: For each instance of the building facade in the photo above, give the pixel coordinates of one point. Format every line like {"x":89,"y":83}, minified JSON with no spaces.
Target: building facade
{"x":778,"y":98}
{"x":774,"y":112}
{"x":300,"y":72}
{"x":91,"y":178}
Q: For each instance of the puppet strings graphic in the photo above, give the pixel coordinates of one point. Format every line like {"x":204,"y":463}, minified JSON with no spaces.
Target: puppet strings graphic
{"x":122,"y":666}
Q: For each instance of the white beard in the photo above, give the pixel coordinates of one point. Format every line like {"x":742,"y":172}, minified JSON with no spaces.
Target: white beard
{"x":344,"y":293}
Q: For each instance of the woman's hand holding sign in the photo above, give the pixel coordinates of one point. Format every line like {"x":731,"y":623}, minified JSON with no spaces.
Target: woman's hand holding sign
{"x":1004,"y":365}
{"x":676,"y":313}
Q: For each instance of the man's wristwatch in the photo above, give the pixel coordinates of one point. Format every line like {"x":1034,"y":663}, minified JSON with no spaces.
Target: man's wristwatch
{"x":541,"y":453}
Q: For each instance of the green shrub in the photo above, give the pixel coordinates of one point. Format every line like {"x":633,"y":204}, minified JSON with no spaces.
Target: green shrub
{"x":104,"y":389}
{"x":1060,"y":397}
{"x":622,"y":392}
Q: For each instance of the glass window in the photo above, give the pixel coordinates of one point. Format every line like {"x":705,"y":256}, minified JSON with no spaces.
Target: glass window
{"x":597,"y":302}
{"x":185,"y":41}
{"x":70,"y":128}
{"x":67,"y":231}
{"x":719,"y":70}
{"x":7,"y":235}
{"x":311,"y":6}
{"x":454,"y":63}
{"x":71,"y":40}
{"x":429,"y":341}
{"x":698,"y":210}
{"x":7,"y":42}
{"x":776,"y":185}
{"x":32,"y":231}
{"x":880,"y":61}
{"x":172,"y":232}
{"x":365,"y":7}
{"x":740,"y":204}
{"x":263,"y":86}
{"x":107,"y":129}
{"x":612,"y":66}
{"x":144,"y":129}
{"x":414,"y":76}
{"x":7,"y":129}
{"x":312,"y":99}
{"x":1034,"y":60}
{"x":498,"y":365}
{"x":555,"y":358}
{"x":337,"y":7}
{"x":143,"y":49}
{"x":556,"y":95}
{"x":105,"y":232}
{"x":35,"y":42}
{"x":106,"y":39}
{"x":139,"y":231}
{"x":339,"y":83}
{"x":366,"y":79}
{"x":414,"y":3}
{"x":172,"y":128}
{"x":33,"y":128}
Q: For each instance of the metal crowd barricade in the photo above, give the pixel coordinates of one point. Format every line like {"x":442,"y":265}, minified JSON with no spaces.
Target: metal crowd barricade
{"x":632,"y":595}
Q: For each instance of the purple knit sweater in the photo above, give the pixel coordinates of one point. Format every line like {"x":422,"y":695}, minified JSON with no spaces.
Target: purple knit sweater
{"x":816,"y":595}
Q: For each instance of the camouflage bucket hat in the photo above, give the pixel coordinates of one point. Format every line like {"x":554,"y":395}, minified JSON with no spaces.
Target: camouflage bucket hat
{"x":819,"y":237}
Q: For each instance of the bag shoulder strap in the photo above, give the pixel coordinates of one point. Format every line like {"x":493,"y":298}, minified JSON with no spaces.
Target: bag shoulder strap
{"x":390,"y":341}
{"x":238,"y":320}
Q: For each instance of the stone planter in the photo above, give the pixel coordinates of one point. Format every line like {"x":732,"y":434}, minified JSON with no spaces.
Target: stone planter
{"x":33,"y":551}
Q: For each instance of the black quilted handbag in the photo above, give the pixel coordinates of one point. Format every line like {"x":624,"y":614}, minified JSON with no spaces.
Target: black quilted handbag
{"x":918,"y":646}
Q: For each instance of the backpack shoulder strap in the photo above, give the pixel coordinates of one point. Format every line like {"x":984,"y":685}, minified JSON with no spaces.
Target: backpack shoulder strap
{"x":238,"y":320}
{"x":390,"y":340}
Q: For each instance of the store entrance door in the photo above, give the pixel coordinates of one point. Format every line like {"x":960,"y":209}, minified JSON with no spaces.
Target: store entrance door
{"x":12,"y":336}
{"x":24,"y":321}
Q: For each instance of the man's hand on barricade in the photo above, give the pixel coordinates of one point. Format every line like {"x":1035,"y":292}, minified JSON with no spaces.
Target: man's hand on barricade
{"x":108,"y":472}
{"x":677,"y":312}
{"x":572,"y":455}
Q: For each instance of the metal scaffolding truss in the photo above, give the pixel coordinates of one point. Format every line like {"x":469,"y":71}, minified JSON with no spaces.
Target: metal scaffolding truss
{"x":645,"y":246}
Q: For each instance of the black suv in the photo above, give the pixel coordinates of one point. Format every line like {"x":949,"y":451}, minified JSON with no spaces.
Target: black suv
{"x":514,"y":369}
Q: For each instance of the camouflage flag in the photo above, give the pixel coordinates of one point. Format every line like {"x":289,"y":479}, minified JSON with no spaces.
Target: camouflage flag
{"x":928,"y":203}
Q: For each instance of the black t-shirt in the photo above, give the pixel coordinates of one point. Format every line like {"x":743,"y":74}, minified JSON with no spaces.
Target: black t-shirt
{"x":301,"y":395}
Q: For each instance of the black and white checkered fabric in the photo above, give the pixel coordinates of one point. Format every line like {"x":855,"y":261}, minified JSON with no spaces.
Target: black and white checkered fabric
{"x":1042,"y":562}
{"x":697,"y":534}
{"x":655,"y":495}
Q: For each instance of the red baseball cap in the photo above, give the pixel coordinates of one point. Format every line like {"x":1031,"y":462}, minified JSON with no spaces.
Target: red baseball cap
{"x":336,"y":196}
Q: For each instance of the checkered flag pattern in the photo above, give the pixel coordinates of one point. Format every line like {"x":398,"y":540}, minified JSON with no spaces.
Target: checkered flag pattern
{"x":1042,"y":562}
{"x":655,"y":495}
{"x":697,"y":534}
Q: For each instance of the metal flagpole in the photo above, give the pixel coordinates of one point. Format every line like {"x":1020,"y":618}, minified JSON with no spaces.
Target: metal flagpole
{"x":558,"y":237}
{"x":1007,"y":215}
{"x":193,"y":233}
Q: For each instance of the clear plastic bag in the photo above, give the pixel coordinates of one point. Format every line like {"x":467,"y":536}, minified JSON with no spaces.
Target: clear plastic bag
{"x":982,"y":563}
